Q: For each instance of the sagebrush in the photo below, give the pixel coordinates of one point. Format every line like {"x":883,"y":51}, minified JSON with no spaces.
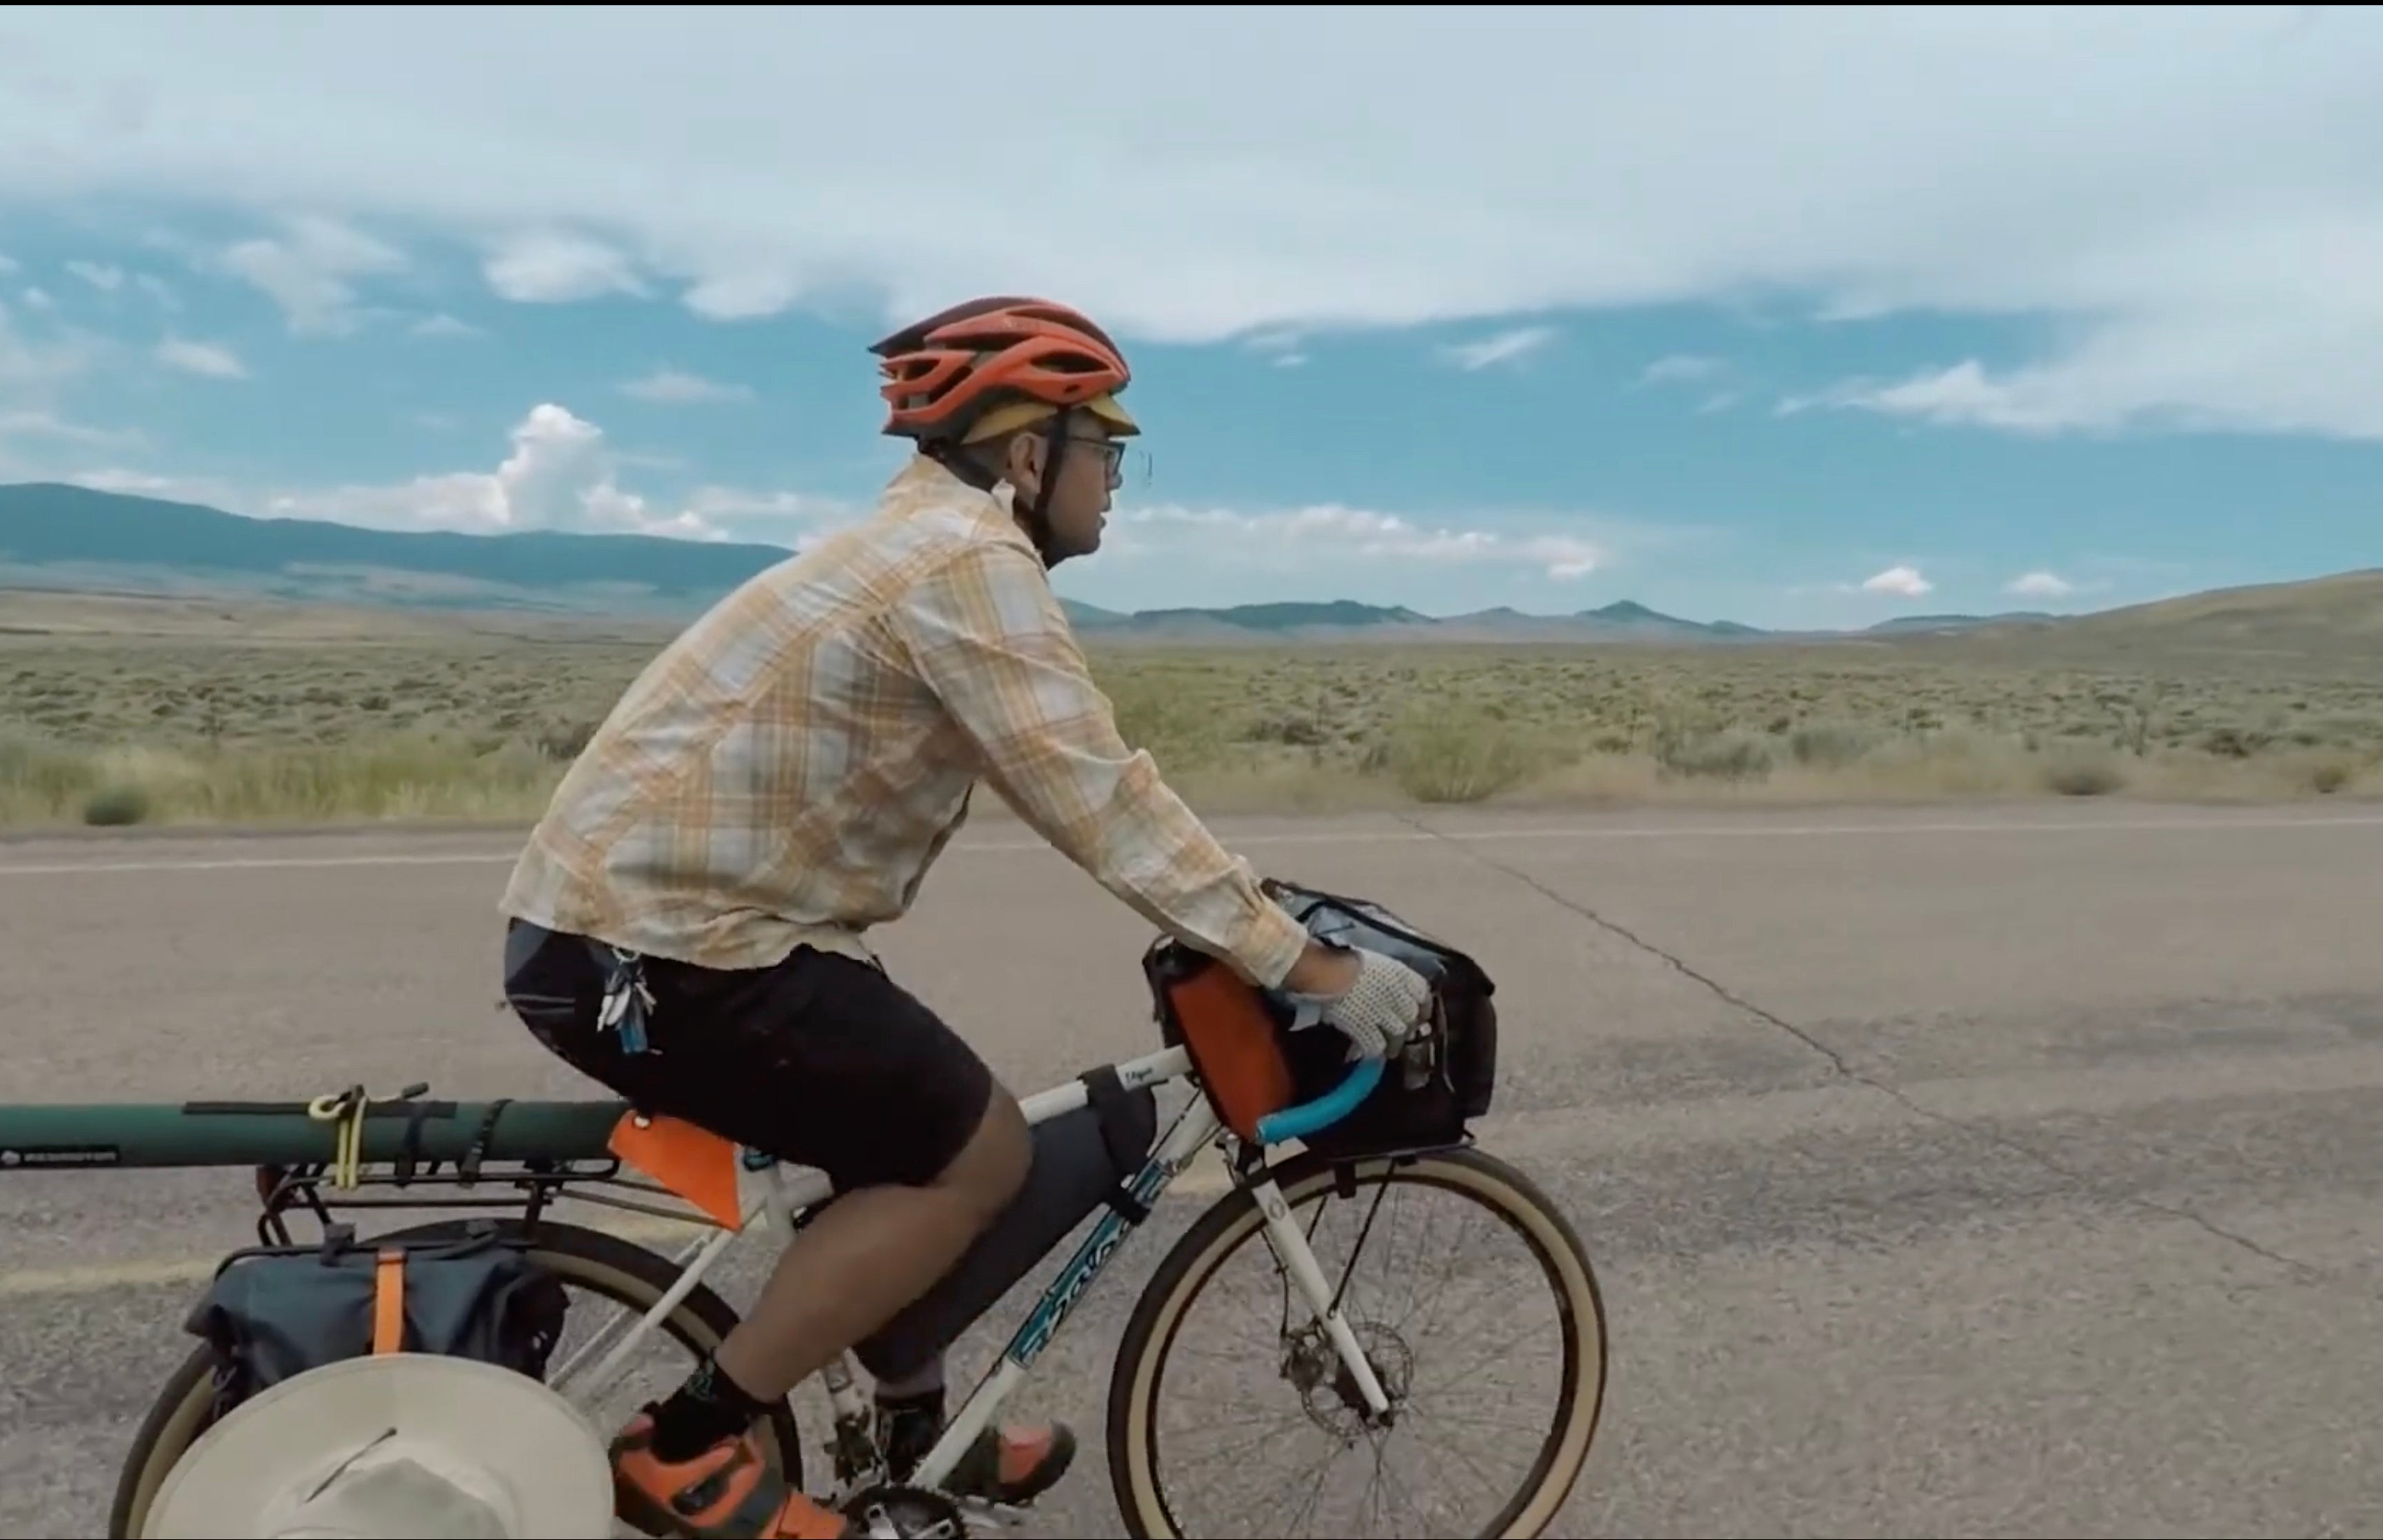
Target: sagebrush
{"x":153,"y":730}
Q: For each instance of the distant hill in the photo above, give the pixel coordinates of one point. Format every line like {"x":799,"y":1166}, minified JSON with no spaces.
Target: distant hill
{"x":54,"y":535}
{"x":74,"y":539}
{"x":2336,"y":617}
{"x":78,"y":538}
{"x":1907,"y":624}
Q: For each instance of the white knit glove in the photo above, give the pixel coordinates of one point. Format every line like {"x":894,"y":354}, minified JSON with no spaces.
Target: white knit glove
{"x":1379,"y":1010}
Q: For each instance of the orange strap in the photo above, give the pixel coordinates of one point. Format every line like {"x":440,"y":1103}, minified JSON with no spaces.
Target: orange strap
{"x":389,"y":1302}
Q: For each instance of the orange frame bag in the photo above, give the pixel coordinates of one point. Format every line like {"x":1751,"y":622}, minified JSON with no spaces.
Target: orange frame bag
{"x":1232,"y":1035}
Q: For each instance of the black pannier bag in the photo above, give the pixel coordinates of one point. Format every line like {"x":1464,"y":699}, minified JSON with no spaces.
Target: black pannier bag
{"x":272,"y":1314}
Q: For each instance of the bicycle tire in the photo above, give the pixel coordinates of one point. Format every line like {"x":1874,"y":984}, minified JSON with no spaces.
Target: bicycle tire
{"x":1235,"y":1219}
{"x":604,"y":1265}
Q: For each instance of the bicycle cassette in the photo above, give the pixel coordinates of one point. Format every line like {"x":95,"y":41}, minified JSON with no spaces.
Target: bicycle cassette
{"x":897,"y":1512}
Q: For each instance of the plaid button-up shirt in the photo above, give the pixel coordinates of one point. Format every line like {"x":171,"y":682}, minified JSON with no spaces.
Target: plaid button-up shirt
{"x":785,"y":771}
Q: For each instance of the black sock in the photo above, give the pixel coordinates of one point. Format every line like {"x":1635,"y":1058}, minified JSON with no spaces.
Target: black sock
{"x":908,"y":1427}
{"x":709,"y":1408}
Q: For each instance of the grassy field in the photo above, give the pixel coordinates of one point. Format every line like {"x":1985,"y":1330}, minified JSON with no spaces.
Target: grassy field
{"x":237,"y":721}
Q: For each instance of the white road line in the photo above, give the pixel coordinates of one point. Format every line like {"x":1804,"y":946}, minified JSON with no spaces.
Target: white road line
{"x":1347,"y":837}
{"x":258,"y":863}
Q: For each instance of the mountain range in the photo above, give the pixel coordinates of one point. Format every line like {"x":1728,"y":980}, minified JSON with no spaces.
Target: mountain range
{"x":57,"y":536}
{"x":61,"y":537}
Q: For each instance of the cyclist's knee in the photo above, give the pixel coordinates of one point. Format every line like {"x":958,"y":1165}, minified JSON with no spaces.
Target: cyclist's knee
{"x":991,"y":1167}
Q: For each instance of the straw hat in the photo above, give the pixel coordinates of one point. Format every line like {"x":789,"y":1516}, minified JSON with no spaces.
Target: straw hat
{"x":407,"y":1446}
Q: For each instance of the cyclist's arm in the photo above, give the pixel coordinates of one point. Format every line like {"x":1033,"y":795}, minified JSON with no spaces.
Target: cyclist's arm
{"x":987,"y":634}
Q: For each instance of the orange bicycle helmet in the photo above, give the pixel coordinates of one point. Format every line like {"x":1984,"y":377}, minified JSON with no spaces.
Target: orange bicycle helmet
{"x":987,"y":365}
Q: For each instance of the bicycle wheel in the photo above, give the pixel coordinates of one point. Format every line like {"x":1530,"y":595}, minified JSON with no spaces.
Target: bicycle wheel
{"x":1299,"y":1388}
{"x":583,"y":1260}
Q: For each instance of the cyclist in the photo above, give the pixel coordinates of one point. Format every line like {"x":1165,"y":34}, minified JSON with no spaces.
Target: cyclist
{"x":687,"y":922}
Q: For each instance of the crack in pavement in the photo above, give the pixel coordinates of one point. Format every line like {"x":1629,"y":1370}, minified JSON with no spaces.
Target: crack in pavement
{"x":2305,"y":1272}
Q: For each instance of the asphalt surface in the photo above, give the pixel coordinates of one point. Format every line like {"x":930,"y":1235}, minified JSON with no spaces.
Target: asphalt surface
{"x":1948,"y":1172}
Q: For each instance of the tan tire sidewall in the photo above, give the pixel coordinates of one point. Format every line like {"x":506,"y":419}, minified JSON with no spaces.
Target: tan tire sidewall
{"x":1517,"y":1205}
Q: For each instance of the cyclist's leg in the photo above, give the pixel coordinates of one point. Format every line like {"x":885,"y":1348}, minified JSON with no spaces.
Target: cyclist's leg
{"x":926,"y":1150}
{"x":720,"y":1486}
{"x":825,"y":1062}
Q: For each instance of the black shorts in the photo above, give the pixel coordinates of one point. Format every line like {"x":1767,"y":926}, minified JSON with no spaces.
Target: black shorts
{"x":821,"y":1060}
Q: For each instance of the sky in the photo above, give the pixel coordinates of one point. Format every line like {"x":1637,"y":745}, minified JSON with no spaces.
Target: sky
{"x":1792,"y":317}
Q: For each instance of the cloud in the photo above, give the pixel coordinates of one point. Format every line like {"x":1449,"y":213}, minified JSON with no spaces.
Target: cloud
{"x":1681,"y":369}
{"x":740,"y":295}
{"x":36,"y":368}
{"x":2045,"y":402}
{"x":310,"y":268}
{"x":676,"y":386}
{"x":559,"y":475}
{"x":1506,"y":347}
{"x":2040,"y":585}
{"x":443,"y":324}
{"x":1279,"y":344}
{"x":211,"y":360}
{"x":555,"y":267}
{"x":31,"y":367}
{"x":37,"y":298}
{"x":1332,"y":530}
{"x":21,"y":422}
{"x":1902,"y":582}
{"x":562,"y":474}
{"x":792,"y":518}
{"x":209,"y":491}
{"x":2204,"y":245}
{"x":107,"y":280}
{"x":7,"y":265}
{"x":2262,"y":371}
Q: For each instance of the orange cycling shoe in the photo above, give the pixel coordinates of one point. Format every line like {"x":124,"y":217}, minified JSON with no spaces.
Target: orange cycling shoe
{"x":728,"y":1492}
{"x":1011,"y":1465}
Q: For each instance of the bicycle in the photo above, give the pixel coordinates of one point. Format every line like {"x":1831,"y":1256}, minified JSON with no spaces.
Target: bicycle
{"x":1354,"y":1374}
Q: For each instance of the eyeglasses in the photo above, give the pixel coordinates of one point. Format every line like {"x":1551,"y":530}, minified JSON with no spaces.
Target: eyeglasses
{"x":1113,"y":451}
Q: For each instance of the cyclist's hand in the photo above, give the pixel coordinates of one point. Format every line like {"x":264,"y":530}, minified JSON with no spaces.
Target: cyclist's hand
{"x":1380,"y":1005}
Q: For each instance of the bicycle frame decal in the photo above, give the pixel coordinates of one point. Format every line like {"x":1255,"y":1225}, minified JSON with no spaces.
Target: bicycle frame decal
{"x":1091,"y":1259}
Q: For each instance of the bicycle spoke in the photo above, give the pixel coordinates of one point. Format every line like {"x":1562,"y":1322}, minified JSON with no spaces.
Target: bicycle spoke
{"x":1274,"y":1434}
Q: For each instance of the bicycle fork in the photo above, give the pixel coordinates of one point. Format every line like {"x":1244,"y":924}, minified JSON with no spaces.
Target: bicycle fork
{"x":1292,"y":1253}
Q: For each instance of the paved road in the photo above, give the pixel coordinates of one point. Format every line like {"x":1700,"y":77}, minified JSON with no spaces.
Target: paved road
{"x":1951,"y":1173}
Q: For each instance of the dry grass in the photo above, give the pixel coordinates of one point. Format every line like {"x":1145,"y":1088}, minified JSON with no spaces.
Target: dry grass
{"x":200,"y":729}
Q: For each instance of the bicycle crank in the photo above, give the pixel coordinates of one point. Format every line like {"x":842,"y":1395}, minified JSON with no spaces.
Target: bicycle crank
{"x":897,"y":1512}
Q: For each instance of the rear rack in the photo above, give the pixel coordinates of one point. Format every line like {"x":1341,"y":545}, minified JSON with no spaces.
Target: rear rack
{"x":535,"y":1184}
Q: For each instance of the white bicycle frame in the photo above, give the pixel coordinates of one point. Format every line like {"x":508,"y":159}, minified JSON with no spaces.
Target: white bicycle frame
{"x":783,"y":1193}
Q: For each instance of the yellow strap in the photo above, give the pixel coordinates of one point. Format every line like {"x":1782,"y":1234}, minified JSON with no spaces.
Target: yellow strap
{"x":347,"y":1109}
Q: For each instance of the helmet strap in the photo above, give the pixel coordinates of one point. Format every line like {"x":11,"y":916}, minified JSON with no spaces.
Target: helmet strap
{"x":1037,"y":518}
{"x":1032,"y":517}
